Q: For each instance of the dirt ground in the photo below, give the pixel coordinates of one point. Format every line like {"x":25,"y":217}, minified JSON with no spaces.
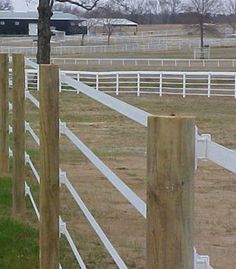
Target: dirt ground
{"x":121,"y":144}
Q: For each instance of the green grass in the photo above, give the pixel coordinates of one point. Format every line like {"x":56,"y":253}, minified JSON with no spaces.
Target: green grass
{"x":18,"y":242}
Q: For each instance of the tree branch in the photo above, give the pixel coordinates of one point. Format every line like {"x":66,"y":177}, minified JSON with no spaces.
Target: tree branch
{"x":81,"y":4}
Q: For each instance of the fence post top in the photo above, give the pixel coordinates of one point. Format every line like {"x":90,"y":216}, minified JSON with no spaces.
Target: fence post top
{"x":18,"y":55}
{"x":172,"y":116}
{"x":48,"y":65}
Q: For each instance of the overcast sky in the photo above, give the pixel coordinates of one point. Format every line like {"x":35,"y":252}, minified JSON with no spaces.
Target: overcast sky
{"x":20,"y":5}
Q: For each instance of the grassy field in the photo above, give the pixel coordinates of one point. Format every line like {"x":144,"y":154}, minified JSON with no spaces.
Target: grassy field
{"x":216,"y":53}
{"x":18,"y":240}
{"x":121,"y":144}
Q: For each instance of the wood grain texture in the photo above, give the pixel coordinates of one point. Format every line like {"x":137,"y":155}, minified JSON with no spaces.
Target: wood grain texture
{"x":4,"y":87}
{"x":18,"y":116}
{"x":170,"y":171}
{"x":49,"y":167}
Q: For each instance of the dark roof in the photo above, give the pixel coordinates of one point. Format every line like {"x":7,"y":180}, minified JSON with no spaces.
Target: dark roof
{"x":33,"y":15}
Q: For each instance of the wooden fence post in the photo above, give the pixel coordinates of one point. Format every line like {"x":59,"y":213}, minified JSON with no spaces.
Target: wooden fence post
{"x":170,"y":168}
{"x":49,"y":167}
{"x":4,"y":87}
{"x":18,"y":117}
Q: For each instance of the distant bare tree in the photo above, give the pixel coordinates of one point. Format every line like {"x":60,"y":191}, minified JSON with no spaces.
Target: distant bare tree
{"x":174,"y":7}
{"x":230,"y":9}
{"x":90,"y":23}
{"x":108,"y":26}
{"x":136,"y":8}
{"x":6,"y":5}
{"x":106,"y":16}
{"x":202,"y":9}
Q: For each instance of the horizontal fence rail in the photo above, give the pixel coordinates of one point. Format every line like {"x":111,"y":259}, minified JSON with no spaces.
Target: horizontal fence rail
{"x":199,"y":260}
{"x":152,"y":45}
{"x":129,"y":194}
{"x":163,"y":62}
{"x":205,"y":149}
{"x":146,"y":82}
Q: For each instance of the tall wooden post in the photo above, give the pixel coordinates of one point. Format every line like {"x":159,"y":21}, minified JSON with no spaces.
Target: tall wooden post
{"x":4,"y":85}
{"x":18,"y":69}
{"x":170,"y":168}
{"x":49,"y":167}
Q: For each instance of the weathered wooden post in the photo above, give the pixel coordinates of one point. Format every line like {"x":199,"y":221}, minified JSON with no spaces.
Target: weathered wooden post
{"x":18,"y":77}
{"x":170,"y":169}
{"x":4,"y":87}
{"x":49,"y":167}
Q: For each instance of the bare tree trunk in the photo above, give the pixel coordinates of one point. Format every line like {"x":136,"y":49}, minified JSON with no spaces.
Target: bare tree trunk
{"x":82,"y":40}
{"x":201,"y":36}
{"x":108,"y":38}
{"x":44,"y":32}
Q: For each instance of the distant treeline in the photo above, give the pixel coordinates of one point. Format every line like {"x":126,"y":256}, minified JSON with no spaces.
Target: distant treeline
{"x":182,"y":18}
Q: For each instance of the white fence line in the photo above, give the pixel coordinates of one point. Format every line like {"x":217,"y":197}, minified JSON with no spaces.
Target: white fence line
{"x":141,"y":34}
{"x":65,"y":232}
{"x":143,"y":82}
{"x":205,"y":149}
{"x":64,"y":180}
{"x":27,"y":188}
{"x":117,"y":259}
{"x":34,"y":170}
{"x":199,"y":260}
{"x":141,"y":116}
{"x":137,"y":203}
{"x":131,"y":112}
{"x":163,"y":62}
{"x":139,"y":46}
{"x":28,"y":192}
{"x":32,"y":132}
{"x":214,"y":152}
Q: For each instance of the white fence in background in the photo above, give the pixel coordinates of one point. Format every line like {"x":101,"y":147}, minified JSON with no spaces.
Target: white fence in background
{"x":70,"y":50}
{"x":160,"y":33}
{"x":205,"y":149}
{"x":126,"y":47}
{"x":119,"y":39}
{"x":132,"y":113}
{"x":163,"y":62}
{"x":150,"y":82}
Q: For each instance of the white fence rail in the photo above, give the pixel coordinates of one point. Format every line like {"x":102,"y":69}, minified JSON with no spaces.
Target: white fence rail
{"x":149,"y":46}
{"x":148,"y":82}
{"x":159,"y":33}
{"x":205,"y":149}
{"x":188,"y":63}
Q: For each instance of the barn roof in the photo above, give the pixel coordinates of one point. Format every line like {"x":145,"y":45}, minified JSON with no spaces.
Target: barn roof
{"x":111,"y":21}
{"x":33,"y":15}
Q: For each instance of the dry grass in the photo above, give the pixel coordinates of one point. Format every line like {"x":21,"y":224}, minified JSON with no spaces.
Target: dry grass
{"x":216,"y":53}
{"x":121,"y":144}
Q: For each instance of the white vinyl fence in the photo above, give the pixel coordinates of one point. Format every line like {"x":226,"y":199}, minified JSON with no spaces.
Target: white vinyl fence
{"x":205,"y":149}
{"x":140,"y":117}
{"x":150,"y":82}
{"x":125,"y":47}
{"x":163,"y":62}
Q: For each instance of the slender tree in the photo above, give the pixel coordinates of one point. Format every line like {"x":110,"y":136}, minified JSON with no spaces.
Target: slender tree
{"x":45,"y":10}
{"x":203,"y":9}
{"x":174,"y":7}
{"x":6,"y":5}
{"x":230,"y":9}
